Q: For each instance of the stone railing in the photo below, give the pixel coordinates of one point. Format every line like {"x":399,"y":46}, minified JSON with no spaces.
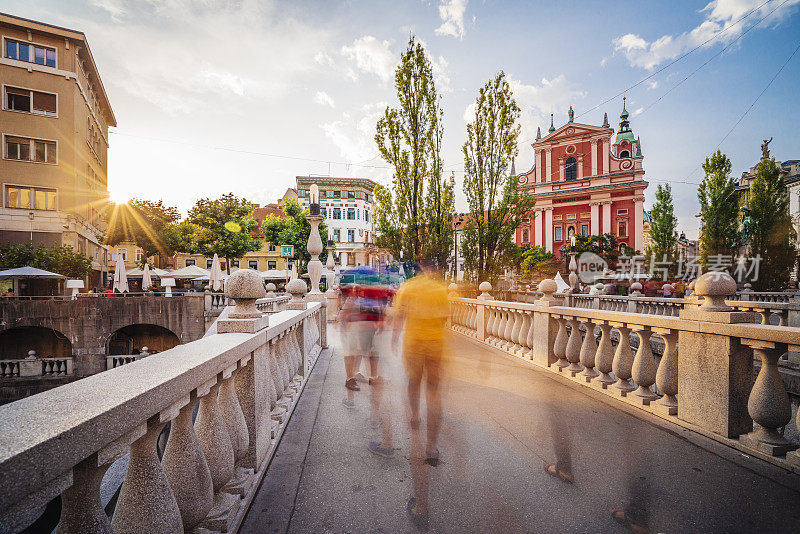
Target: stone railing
{"x":243,"y":382}
{"x":117,"y":360}
{"x":273,"y":304}
{"x":703,"y":381}
{"x":767,"y":296}
{"x":39,"y":367}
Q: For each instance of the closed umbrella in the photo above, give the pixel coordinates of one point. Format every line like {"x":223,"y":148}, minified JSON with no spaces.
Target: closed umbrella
{"x":215,"y":276}
{"x":120,"y":280}
{"x":146,"y":280}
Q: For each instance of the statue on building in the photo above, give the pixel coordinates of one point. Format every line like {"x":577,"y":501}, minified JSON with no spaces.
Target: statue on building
{"x":765,"y":148}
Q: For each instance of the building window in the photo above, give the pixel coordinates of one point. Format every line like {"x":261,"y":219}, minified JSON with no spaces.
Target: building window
{"x":622,"y":228}
{"x":272,"y":247}
{"x":557,"y":217}
{"x":122,"y":254}
{"x":351,"y":214}
{"x":571,"y":216}
{"x":361,"y":195}
{"x":189,"y":262}
{"x":209,"y":263}
{"x":337,"y":213}
{"x":31,"y":53}
{"x":30,"y":101}
{"x":351,"y":235}
{"x":366,"y":237}
{"x":351,"y":194}
{"x":622,"y":212}
{"x":324,"y":213}
{"x":557,"y":233}
{"x":31,"y":198}
{"x":329,"y":194}
{"x":235,"y":263}
{"x":253,"y":264}
{"x":586,"y":215}
{"x":525,"y":235}
{"x":571,"y":169}
{"x":584,"y":230}
{"x":624,"y":154}
{"x":27,"y":149}
{"x":337,"y":194}
{"x":272,"y":265}
{"x":366,"y":216}
{"x":337,"y":235}
{"x":139,"y":253}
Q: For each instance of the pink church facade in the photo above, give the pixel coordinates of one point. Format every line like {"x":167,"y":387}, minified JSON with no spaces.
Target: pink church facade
{"x":586,"y":181}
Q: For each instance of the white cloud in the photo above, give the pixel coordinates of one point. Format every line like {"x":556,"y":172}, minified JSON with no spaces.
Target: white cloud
{"x":115,"y":8}
{"x":321,"y":58}
{"x":638,"y":111}
{"x":603,"y":62}
{"x":652,"y":85}
{"x":324,"y":99}
{"x":452,"y":14}
{"x":355,"y":136}
{"x":371,"y":56}
{"x":720,"y":16}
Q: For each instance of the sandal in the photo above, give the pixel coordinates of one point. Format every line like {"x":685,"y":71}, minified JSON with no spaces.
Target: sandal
{"x":622,"y":518}
{"x":420,"y":521}
{"x":375,"y":448}
{"x":432,"y":458}
{"x":413,"y":424}
{"x":351,"y":383}
{"x":348,"y":402}
{"x":554,"y":471}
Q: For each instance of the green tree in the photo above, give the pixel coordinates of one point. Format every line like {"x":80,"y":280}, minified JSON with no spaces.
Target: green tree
{"x":537,"y":262}
{"x":293,"y":228}
{"x":222,"y":226}
{"x":663,"y":235}
{"x":151,"y":225}
{"x":409,"y":139}
{"x":719,"y":209}
{"x":604,"y":245}
{"x":61,"y":259}
{"x":496,"y":205}
{"x":773,"y":237}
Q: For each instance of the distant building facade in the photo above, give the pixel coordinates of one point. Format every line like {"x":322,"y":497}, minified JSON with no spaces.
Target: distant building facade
{"x":585,"y":181}
{"x":54,"y":127}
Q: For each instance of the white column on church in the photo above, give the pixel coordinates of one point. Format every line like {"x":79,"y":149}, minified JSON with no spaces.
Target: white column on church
{"x":606,"y":216}
{"x":638,"y":223}
{"x":580,"y":167}
{"x":595,"y":228}
{"x":548,"y":229}
{"x":594,"y":160}
{"x":537,"y":228}
{"x":547,"y":166}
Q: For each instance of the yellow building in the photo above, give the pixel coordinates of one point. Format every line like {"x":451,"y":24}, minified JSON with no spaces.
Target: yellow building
{"x":54,"y":126}
{"x":131,"y":254}
{"x":269,"y":257}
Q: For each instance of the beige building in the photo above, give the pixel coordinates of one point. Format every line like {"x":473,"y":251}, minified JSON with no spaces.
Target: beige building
{"x":54,"y":127}
{"x":269,"y":257}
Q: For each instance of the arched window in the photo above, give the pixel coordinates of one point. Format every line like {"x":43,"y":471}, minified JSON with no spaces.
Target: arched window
{"x":525,"y":235}
{"x":624,"y":154}
{"x":571,"y":168}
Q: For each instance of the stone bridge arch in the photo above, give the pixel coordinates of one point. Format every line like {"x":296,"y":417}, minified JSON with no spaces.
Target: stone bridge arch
{"x":132,"y":338}
{"x":15,"y":342}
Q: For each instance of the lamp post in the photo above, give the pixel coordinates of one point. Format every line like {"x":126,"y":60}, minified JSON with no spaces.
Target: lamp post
{"x":314,"y":241}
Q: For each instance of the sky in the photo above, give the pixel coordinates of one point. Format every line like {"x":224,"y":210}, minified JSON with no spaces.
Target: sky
{"x":218,"y":96}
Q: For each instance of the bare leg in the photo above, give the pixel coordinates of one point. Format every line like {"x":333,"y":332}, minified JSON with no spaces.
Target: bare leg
{"x":433,"y":400}
{"x":350,"y":367}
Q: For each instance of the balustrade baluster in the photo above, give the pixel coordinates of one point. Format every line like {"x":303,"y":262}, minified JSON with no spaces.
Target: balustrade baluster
{"x":531,"y":333}
{"x":508,"y":335}
{"x":235,"y":422}
{"x":667,"y":374}
{"x":277,"y":408}
{"x":644,"y":367}
{"x":489,"y":317}
{"x":560,"y":344}
{"x":187,"y":470}
{"x":81,"y":508}
{"x":146,"y":502}
{"x":522,"y":333}
{"x":588,"y":351}
{"x":623,"y":360}
{"x":604,"y":356}
{"x":768,"y":404}
{"x":501,"y":328}
{"x":574,"y":348}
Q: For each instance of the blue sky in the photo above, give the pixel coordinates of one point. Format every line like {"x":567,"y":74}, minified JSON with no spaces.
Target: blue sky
{"x":204,"y":90}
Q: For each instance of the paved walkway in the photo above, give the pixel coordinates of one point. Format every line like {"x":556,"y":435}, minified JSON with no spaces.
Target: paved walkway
{"x":500,"y":420}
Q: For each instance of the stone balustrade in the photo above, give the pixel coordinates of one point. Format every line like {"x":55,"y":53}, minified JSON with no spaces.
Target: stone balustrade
{"x":273,"y":304}
{"x":33,"y":367}
{"x":704,"y":379}
{"x":243,"y":382}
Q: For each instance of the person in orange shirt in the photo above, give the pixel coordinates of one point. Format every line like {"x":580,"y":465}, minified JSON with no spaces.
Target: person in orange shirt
{"x":422,"y":306}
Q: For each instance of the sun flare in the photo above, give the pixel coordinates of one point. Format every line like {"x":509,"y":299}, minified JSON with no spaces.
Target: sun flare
{"x":118,"y":197}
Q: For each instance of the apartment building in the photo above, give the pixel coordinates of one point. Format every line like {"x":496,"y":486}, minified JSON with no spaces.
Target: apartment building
{"x":348,"y":206}
{"x":54,"y":126}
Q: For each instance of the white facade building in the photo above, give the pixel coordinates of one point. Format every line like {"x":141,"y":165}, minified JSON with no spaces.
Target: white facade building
{"x":348,"y":206}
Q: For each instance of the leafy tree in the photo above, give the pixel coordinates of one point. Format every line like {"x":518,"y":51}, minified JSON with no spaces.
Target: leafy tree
{"x":496,"y":206}
{"x":293,"y":228}
{"x":222,"y":226}
{"x":663,"y":236}
{"x":604,"y":245}
{"x":718,"y":208}
{"x":409,"y":139}
{"x":61,"y":259}
{"x":151,"y":225}
{"x":537,"y":262}
{"x":773,"y":237}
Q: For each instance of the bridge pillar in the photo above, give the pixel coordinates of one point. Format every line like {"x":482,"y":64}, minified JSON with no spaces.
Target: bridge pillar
{"x":544,"y":325}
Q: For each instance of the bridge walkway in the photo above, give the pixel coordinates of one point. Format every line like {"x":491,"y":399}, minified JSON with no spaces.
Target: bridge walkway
{"x":502,"y":419}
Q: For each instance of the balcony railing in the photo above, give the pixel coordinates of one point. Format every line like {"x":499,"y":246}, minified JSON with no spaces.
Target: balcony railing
{"x":36,"y":367}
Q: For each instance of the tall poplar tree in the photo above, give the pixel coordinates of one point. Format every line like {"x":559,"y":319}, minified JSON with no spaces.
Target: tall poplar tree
{"x":719,"y":209}
{"x":416,"y":215}
{"x":496,"y":205}
{"x":773,"y":237}
{"x":663,"y":223}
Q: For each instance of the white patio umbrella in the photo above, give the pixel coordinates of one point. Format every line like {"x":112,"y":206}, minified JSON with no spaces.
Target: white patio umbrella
{"x":561,"y":284}
{"x":215,"y":276}
{"x":120,"y":280}
{"x":146,"y":280}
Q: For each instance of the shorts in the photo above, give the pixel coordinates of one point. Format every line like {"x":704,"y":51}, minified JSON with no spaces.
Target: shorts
{"x":423,"y":357}
{"x":360,"y":337}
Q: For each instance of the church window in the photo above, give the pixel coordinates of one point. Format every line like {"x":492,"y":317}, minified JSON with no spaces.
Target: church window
{"x":622,"y":228}
{"x":525,"y":235}
{"x":624,"y":154}
{"x":584,"y":230}
{"x":557,"y":232}
{"x":571,"y":169}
